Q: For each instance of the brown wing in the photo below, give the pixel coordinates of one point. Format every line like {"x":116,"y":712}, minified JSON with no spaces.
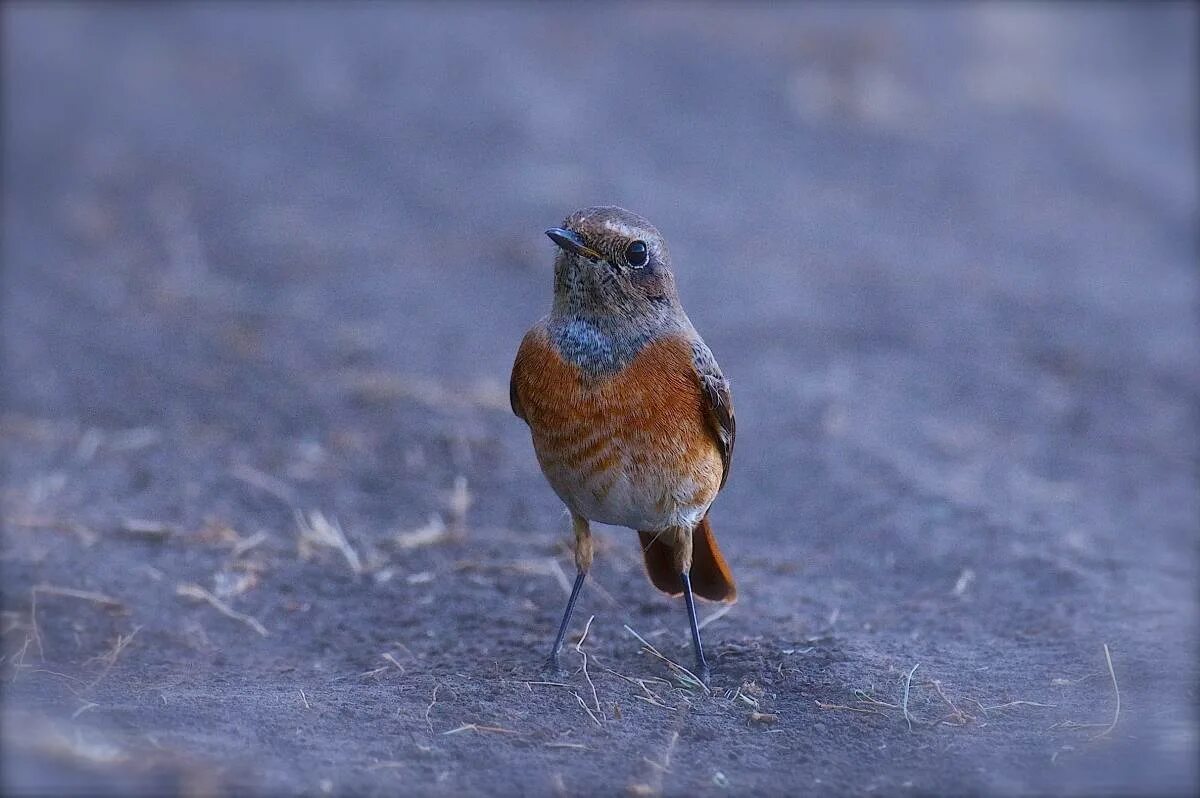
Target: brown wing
{"x":718,"y":403}
{"x":518,"y":374}
{"x":513,"y":400}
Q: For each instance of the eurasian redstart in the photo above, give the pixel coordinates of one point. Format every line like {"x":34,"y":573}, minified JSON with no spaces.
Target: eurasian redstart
{"x":631,"y":418}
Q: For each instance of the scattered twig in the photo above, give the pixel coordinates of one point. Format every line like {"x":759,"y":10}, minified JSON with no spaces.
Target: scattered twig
{"x":963,"y":582}
{"x":244,"y":545}
{"x":317,"y":530}
{"x":86,"y":595}
{"x":1116,"y":691}
{"x":655,"y":702}
{"x":1008,"y":704}
{"x":570,"y":690}
{"x":304,"y":698}
{"x":866,"y":698}
{"x":196,"y":592}
{"x":429,"y":708}
{"x":904,"y":703}
{"x":457,"y":504}
{"x":433,"y":532}
{"x":559,"y":575}
{"x":128,"y":440}
{"x":266,"y":483}
{"x":583,"y":654}
{"x":18,"y":658}
{"x":716,"y":616}
{"x":60,"y":675}
{"x":479,"y":728}
{"x":587,"y":709}
{"x":823,"y":705}
{"x":1060,"y":750}
{"x":85,"y":706}
{"x":961,"y":717}
{"x":33,"y":626}
{"x":691,"y":677}
{"x":650,"y":697}
{"x":150,"y":530}
{"x":110,"y":659}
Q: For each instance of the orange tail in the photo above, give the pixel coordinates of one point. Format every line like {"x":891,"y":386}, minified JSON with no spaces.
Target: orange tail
{"x":711,"y":578}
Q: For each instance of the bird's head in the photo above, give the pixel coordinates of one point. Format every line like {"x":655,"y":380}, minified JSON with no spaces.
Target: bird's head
{"x":611,"y":261}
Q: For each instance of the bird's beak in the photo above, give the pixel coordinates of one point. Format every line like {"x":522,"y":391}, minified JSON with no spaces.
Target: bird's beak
{"x":570,"y":241}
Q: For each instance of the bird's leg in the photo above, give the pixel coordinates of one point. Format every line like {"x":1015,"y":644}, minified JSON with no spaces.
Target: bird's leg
{"x":583,"y":562}
{"x":683,"y":561}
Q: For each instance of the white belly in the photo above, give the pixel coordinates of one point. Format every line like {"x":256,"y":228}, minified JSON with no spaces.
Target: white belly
{"x":632,"y":495}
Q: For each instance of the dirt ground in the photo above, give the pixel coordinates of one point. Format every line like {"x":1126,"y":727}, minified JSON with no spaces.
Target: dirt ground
{"x":269,"y":525}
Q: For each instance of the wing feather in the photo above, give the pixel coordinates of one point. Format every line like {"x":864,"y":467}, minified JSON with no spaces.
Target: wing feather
{"x":718,"y":403}
{"x":520,"y":365}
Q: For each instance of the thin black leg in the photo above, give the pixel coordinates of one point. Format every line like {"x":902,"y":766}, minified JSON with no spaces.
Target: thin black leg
{"x":701,"y":665}
{"x":552,"y":663}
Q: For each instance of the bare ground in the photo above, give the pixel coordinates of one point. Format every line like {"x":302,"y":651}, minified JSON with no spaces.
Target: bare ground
{"x":269,"y":525}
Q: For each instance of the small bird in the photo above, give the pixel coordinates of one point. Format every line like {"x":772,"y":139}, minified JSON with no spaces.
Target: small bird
{"x":631,"y":418}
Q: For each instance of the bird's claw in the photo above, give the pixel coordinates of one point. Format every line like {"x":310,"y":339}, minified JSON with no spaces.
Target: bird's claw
{"x":552,"y":668}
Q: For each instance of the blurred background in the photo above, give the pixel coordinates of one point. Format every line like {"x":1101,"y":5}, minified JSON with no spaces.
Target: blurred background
{"x":269,"y":525}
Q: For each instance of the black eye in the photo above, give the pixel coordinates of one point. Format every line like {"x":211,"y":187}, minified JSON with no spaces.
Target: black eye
{"x":636,"y":254}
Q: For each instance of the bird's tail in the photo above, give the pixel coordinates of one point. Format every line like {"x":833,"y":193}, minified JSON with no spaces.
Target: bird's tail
{"x":710,"y":574}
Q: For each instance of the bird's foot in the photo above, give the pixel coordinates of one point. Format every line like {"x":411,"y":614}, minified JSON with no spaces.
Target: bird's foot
{"x":553,"y":669}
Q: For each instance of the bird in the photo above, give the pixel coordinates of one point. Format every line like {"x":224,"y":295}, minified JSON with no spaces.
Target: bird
{"x":630,"y":416}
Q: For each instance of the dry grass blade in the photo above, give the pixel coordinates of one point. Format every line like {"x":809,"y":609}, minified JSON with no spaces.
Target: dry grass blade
{"x":317,"y":530}
{"x":1008,"y":704}
{"x":86,"y":706}
{"x":109,"y":659}
{"x":142,"y":528}
{"x":823,"y":705}
{"x":559,"y":575}
{"x":475,"y":727}
{"x":587,"y":709}
{"x":429,"y":708}
{"x":433,"y":532}
{"x":866,"y":698}
{"x":196,"y":592}
{"x":583,"y":654}
{"x":458,"y":503}
{"x":716,"y":616}
{"x":85,"y":595}
{"x":650,"y":697}
{"x":244,"y":545}
{"x":960,"y":718}
{"x":265,"y":482}
{"x":904,"y":703}
{"x":1117,"y":691}
{"x":684,"y":675}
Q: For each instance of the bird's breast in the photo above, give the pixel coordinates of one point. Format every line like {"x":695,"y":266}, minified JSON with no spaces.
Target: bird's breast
{"x":629,"y":448}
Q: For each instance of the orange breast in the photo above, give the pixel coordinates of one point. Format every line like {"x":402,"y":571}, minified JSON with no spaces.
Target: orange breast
{"x":631,"y":449}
